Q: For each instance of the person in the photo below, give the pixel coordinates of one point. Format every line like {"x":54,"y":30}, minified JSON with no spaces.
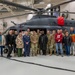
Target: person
{"x":38,"y":32}
{"x":31,"y":34}
{"x":43,"y":42}
{"x":49,"y":41}
{"x":19,"y":44}
{"x":34,"y":43}
{"x":61,"y":31}
{"x":28,"y":30}
{"x":72,"y":34}
{"x":67,"y":43}
{"x":65,"y":30}
{"x":63,"y":34}
{"x":52,"y":45}
{"x":2,"y":43}
{"x":26,"y":40}
{"x":58,"y":40}
{"x":38,"y":35}
{"x":10,"y":42}
{"x":23,"y":33}
{"x":15,"y":34}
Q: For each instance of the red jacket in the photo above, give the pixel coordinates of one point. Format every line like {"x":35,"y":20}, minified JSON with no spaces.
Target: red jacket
{"x":58,"y":38}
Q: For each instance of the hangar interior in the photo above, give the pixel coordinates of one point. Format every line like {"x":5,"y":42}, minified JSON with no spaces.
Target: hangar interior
{"x":40,"y":65}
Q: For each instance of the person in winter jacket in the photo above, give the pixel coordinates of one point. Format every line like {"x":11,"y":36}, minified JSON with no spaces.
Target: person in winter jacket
{"x":58,"y":40}
{"x":19,"y":44}
{"x":10,"y":42}
{"x":43,"y":40}
{"x":67,"y":42}
{"x":72,"y":34}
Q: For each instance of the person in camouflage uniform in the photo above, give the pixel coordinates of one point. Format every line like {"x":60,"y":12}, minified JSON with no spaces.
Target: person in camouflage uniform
{"x":34,"y":43}
{"x":28,"y":30}
{"x":31,"y":34}
{"x":38,"y":35}
{"x":49,"y":41}
{"x":52,"y":45}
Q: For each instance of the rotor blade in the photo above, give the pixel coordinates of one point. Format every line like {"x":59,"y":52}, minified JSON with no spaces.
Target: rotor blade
{"x":67,"y":12}
{"x":16,"y":15}
{"x":17,"y":5}
{"x":62,"y":12}
{"x":60,"y":4}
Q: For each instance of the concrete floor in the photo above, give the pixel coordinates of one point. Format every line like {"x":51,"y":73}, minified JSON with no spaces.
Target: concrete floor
{"x":40,"y":65}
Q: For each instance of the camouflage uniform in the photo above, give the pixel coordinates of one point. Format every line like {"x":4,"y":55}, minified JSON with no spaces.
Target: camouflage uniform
{"x":52,"y":45}
{"x":34,"y":46}
{"x":49,"y":42}
{"x":29,"y":33}
{"x":38,"y":51}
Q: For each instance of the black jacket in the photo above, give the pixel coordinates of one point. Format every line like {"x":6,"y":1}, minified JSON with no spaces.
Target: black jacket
{"x":10,"y":39}
{"x":43,"y":42}
{"x":67,"y":40}
{"x":15,"y":36}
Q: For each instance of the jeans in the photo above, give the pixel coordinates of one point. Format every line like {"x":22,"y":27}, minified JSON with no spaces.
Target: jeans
{"x":67,"y":50}
{"x":15,"y":49}
{"x":1,"y":49}
{"x":59,"y":47}
{"x":72,"y":48}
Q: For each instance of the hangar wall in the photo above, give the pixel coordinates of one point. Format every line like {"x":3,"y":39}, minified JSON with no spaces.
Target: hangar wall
{"x":16,"y":20}
{"x":70,"y":7}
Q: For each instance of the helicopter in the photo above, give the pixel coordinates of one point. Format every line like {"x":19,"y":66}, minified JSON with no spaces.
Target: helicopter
{"x":40,"y":20}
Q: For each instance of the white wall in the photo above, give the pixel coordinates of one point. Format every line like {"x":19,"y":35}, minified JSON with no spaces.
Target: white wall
{"x":16,"y":20}
{"x":70,"y":7}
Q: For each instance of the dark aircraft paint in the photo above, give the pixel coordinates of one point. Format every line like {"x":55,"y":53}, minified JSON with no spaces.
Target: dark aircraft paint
{"x":43,"y":23}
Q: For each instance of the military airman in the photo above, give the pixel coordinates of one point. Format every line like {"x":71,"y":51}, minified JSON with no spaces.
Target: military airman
{"x":49,"y":41}
{"x":38,"y":35}
{"x":52,"y":45}
{"x":34,"y":43}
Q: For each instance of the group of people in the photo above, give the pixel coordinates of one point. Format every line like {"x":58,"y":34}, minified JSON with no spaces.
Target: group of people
{"x":32,"y":43}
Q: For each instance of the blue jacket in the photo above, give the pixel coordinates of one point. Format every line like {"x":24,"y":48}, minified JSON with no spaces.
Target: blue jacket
{"x":26,"y":39}
{"x":0,"y":38}
{"x":72,"y":32}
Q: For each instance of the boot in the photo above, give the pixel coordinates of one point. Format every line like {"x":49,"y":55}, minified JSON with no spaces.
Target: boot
{"x":54,"y":52}
{"x":50,"y":52}
{"x":62,"y":55}
{"x":15,"y":54}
